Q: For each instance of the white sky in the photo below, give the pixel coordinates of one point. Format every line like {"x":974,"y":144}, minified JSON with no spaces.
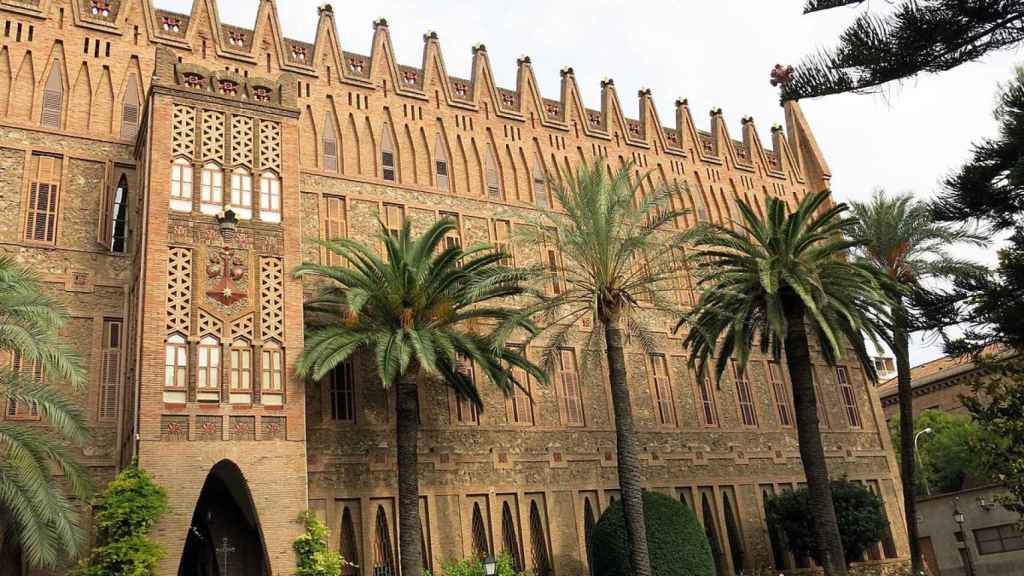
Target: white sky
{"x":717,"y":53}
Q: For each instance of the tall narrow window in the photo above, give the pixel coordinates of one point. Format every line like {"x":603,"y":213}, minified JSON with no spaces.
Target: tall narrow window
{"x":732,"y":529}
{"x":211,"y":198}
{"x":539,"y":543}
{"x":330,"y":144}
{"x":502,"y":241}
{"x":550,"y":261}
{"x":383,"y":554}
{"x":481,"y":547}
{"x":780,"y":394}
{"x":342,"y":393}
{"x":819,"y":399}
{"x":175,"y":369}
{"x":540,"y":187}
{"x":394,"y":219}
{"x":708,"y":409}
{"x":492,"y":177}
{"x":349,"y":547}
{"x":181,"y":185}
{"x":110,"y":378}
{"x":588,"y":529}
{"x":270,"y":197}
{"x":662,"y":390}
{"x":519,"y":406}
{"x":241,"y":372}
{"x":849,"y":397}
{"x":272,"y":374}
{"x":466,"y":411}
{"x":208,"y":370}
{"x":509,"y":540}
{"x":685,"y":293}
{"x":775,"y":537}
{"x":130,"y":109}
{"x":44,"y":191}
{"x":241,"y":193}
{"x":453,"y":239}
{"x":441,"y":165}
{"x":53,"y":98}
{"x":387,"y":154}
{"x":335,"y":223}
{"x":119,"y":216}
{"x":570,"y":382}
{"x":711,"y":531}
{"x":30,"y":370}
{"x":744,"y":396}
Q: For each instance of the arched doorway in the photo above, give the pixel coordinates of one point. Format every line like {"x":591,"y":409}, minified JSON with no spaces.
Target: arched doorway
{"x":224,"y":538}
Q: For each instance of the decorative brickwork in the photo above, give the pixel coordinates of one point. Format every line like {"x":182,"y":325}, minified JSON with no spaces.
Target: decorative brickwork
{"x":242,"y":428}
{"x":270,"y":146}
{"x":179,"y":290}
{"x":241,"y":140}
{"x":174,"y":428}
{"x":209,"y":428}
{"x":183,"y":131}
{"x":271,"y":299}
{"x":213,"y":136}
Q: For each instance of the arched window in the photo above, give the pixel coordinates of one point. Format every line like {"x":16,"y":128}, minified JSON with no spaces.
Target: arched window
{"x":492,"y":178}
{"x":732,"y":529}
{"x":270,"y":197}
{"x":181,"y":185}
{"x":775,"y":536}
{"x":241,"y":193}
{"x":588,"y":529}
{"x":211,"y":199}
{"x":481,"y":549}
{"x":441,"y":165}
{"x":509,"y":540}
{"x":383,"y":557}
{"x":540,"y":188}
{"x":330,"y":144}
{"x":387,"y":154}
{"x":272,"y":374}
{"x":208,"y":370}
{"x":240,"y":378}
{"x":130,"y":108}
{"x":539,"y":541}
{"x":175,"y":369}
{"x":711,"y":531}
{"x":119,"y":216}
{"x":53,"y":98}
{"x":349,"y":546}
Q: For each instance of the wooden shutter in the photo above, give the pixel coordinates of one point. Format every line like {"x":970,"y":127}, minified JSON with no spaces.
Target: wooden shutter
{"x":663,"y":390}
{"x":387,"y":154}
{"x":130,"y":110}
{"x":53,"y":98}
{"x":334,"y":224}
{"x":110,"y":383}
{"x":491,"y":174}
{"x":41,"y":221}
{"x":571,"y":388}
{"x":441,"y":166}
{"x":330,"y":144}
{"x":540,"y":189}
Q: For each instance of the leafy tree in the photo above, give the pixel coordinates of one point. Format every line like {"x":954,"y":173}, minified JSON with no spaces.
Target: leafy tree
{"x":770,"y":280}
{"x":315,"y":558}
{"x":948,"y":455}
{"x":35,"y":513}
{"x":418,"y":312}
{"x":614,"y":255}
{"x":125,"y":513}
{"x":913,"y":37}
{"x":861,"y":515}
{"x":898,"y":236}
{"x":678,"y":544}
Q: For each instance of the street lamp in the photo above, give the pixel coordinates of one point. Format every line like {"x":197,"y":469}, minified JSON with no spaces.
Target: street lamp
{"x":490,"y":566}
{"x":917,"y":456}
{"x":959,"y":518}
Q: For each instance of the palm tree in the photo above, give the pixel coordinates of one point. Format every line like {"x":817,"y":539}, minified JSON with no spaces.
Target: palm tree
{"x":771,"y":280}
{"x":898,"y":236}
{"x":615,"y":254}
{"x":419,"y":312}
{"x":36,"y":515}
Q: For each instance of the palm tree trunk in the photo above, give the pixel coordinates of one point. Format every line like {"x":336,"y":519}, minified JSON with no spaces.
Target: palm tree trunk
{"x":812,"y":451}
{"x":629,"y":457}
{"x":908,"y":454}
{"x":407,"y":432}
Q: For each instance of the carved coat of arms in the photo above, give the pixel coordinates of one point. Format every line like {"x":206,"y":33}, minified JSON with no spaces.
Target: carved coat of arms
{"x":226,"y":271}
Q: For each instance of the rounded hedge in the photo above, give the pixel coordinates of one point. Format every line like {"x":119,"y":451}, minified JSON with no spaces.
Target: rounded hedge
{"x":675,"y":540}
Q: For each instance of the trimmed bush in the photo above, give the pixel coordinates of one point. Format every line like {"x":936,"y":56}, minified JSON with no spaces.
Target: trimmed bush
{"x":675,"y":540}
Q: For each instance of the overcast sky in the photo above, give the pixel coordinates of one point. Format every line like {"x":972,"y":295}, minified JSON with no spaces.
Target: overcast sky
{"x":717,"y":53}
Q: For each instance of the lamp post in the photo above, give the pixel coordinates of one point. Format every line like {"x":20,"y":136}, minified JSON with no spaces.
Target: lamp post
{"x":490,"y":566}
{"x":917,"y":456}
{"x":959,"y":518}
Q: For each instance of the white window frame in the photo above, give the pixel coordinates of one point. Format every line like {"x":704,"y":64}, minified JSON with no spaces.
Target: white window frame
{"x":270,"y":197}
{"x":241,"y":193}
{"x":181,"y":185}
{"x":211,"y":189}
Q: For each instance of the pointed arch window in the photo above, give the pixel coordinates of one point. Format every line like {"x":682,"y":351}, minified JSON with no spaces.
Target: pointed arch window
{"x":540,"y":187}
{"x":775,"y":535}
{"x":175,"y":369}
{"x":211,"y":198}
{"x":53,"y":98}
{"x":441,"y":168}
{"x":539,"y":543}
{"x":119,"y":216}
{"x":349,"y":546}
{"x":181,"y":185}
{"x":481,"y":549}
{"x":387,"y":154}
{"x":208,"y":369}
{"x":272,"y":374}
{"x":509,"y":540}
{"x":130,"y":109}
{"x":588,"y":529}
{"x":241,"y":372}
{"x":711,"y":531}
{"x":732,"y":529}
{"x":492,"y":177}
{"x":241,"y":193}
{"x":383,"y":555}
{"x":270,"y":197}
{"x":330,"y":144}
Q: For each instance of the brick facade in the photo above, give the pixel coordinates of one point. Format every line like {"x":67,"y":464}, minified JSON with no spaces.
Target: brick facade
{"x":350,"y":139}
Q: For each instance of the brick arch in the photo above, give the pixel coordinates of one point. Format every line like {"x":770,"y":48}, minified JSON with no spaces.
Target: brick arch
{"x":224,"y":514}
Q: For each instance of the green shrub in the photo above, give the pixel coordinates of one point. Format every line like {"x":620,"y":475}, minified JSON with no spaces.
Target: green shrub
{"x":314,"y":557}
{"x":859,"y":513}
{"x":474,"y":567}
{"x":124,"y":514}
{"x":675,"y":540}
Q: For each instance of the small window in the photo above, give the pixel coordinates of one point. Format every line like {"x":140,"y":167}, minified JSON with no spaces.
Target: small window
{"x":502,"y":241}
{"x":240,"y":375}
{"x":270,"y":197}
{"x":819,"y":399}
{"x":744,"y":396}
{"x":453,"y":239}
{"x":394,"y":219}
{"x":110,"y":377}
{"x":708,"y":407}
{"x":44,"y":191}
{"x":119,"y":217}
{"x":849,"y":397}
{"x":181,"y":185}
{"x":342,"y":393}
{"x":492,"y":177}
{"x":781,"y":395}
{"x":519,"y":405}
{"x":175,"y":369}
{"x":53,"y":98}
{"x":334,"y":224}
{"x":441,"y":165}
{"x":241,"y":193}
{"x":662,"y":390}
{"x":569,"y":379}
{"x":330,"y":144}
{"x":211,"y":199}
{"x":540,"y":188}
{"x":387,"y":154}
{"x":272,"y":376}
{"x":466,"y":411}
{"x":208,"y":370}
{"x":550,"y":261}
{"x":997,"y":539}
{"x":130,"y":109}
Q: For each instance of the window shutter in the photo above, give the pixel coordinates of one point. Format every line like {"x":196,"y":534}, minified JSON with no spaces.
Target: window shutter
{"x":387,"y":148}
{"x":53,"y":96}
{"x":111,"y":383}
{"x":491,"y":175}
{"x":330,"y":144}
